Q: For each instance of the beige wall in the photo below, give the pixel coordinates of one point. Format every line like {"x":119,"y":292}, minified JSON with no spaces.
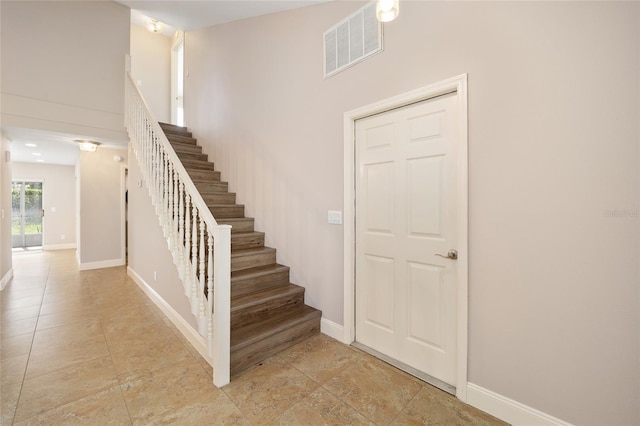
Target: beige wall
{"x":151,"y":66}
{"x":553,"y":151}
{"x":148,"y":250}
{"x":59,"y":201}
{"x":63,"y":66}
{"x":5,"y":210}
{"x":101,"y":199}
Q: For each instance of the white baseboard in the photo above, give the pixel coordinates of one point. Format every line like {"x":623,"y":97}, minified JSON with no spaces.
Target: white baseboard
{"x":101,"y":264}
{"x":181,"y":324}
{"x":332,"y":329}
{"x":59,"y":246}
{"x":5,"y":280}
{"x":507,"y":409}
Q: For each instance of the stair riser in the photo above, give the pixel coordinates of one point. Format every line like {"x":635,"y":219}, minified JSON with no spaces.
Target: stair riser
{"x":221,"y":198}
{"x":176,"y":131}
{"x":242,"y":225}
{"x":262,"y":282}
{"x":204,"y":175}
{"x":252,"y":261}
{"x":211,"y":187}
{"x":240,"y":242}
{"x":173,"y":138}
{"x":263,"y":311}
{"x":188,"y":149}
{"x":259,"y":351}
{"x":197,"y":165}
{"x":188,"y":156}
{"x":232,"y":210}
{"x":174,"y":127}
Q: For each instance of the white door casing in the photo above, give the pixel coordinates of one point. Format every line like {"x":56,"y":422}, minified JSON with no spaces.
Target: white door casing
{"x":418,"y":344}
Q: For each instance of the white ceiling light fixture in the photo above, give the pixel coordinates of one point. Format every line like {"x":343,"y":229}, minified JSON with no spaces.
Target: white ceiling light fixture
{"x":88,"y":146}
{"x":387,"y":10}
{"x":155,"y":26}
{"x":30,"y":145}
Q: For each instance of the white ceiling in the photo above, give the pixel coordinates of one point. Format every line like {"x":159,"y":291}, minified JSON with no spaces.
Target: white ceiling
{"x":57,"y":148}
{"x":189,"y":15}
{"x":50,"y":147}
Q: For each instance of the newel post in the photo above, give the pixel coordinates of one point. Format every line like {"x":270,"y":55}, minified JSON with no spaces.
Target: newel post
{"x":221,"y":305}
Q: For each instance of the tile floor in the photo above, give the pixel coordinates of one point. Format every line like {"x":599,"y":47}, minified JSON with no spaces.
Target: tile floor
{"x":90,"y":348}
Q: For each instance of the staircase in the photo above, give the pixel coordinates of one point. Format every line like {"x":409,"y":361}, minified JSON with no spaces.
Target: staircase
{"x":268,"y":313}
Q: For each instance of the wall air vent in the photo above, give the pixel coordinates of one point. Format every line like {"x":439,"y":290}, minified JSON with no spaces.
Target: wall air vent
{"x":352,"y":40}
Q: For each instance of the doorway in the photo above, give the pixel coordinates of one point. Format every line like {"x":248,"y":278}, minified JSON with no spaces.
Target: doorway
{"x":26,"y":214}
{"x":406,"y":250}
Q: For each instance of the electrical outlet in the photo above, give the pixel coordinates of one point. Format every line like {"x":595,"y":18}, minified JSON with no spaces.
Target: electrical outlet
{"x":155,"y":276}
{"x":335,"y":217}
{"x":63,"y":236}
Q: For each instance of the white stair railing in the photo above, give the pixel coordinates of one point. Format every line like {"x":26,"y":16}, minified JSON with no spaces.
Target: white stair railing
{"x":201,"y":248}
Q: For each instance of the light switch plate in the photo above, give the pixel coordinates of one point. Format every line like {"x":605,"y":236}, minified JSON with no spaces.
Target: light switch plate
{"x":335,"y":217}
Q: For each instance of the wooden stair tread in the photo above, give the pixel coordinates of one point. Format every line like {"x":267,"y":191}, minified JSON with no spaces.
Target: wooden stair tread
{"x":238,"y":224}
{"x":181,"y":144}
{"x":166,"y":126}
{"x":207,"y":187}
{"x":253,"y":333}
{"x":218,"y":205}
{"x":172,"y":128}
{"x":256,"y":272}
{"x":257,"y":297}
{"x":251,"y":251}
{"x":244,"y":234}
{"x":187,"y":149}
{"x":188,"y":162}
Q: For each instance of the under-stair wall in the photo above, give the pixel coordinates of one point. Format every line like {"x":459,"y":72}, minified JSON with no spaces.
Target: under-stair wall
{"x":150,"y":261}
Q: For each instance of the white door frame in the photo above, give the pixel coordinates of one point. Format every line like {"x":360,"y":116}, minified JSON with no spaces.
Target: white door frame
{"x":456,"y":84}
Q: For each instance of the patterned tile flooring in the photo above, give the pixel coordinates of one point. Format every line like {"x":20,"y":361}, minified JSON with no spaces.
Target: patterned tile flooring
{"x":89,"y":348}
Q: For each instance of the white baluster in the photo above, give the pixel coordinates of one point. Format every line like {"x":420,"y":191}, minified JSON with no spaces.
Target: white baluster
{"x":194,"y":261}
{"x":201,"y":290}
{"x":180,"y":245}
{"x":210,"y":295}
{"x":176,"y":201}
{"x":187,"y":245}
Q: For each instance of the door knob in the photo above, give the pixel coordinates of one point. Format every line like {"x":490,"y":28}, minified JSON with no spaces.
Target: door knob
{"x":451,"y":254}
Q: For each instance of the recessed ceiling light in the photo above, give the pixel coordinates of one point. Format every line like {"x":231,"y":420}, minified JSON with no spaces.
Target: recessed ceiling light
{"x":36,"y":153}
{"x":40,"y":160}
{"x":30,"y":145}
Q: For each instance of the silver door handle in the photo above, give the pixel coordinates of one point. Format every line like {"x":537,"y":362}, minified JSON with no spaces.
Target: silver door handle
{"x":452,"y":254}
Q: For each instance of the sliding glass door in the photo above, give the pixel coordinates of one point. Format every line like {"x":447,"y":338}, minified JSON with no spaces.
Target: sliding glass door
{"x":26,"y":214}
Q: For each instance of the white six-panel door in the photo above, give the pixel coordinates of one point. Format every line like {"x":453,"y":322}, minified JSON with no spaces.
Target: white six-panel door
{"x":406,"y":194}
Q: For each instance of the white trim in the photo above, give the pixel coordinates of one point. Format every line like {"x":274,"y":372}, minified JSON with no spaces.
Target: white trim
{"x":332,"y":329}
{"x":181,"y":324}
{"x":5,"y":280}
{"x":66,"y":246}
{"x":507,"y":409}
{"x":100,"y":264}
{"x":456,"y":84}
